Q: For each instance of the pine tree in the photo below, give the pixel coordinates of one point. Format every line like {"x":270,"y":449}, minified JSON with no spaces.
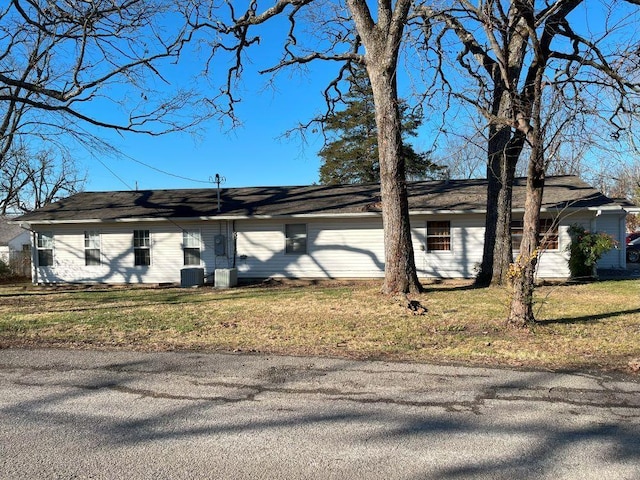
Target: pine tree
{"x":352,"y":155}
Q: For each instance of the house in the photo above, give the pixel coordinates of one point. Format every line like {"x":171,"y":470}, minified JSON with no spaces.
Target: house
{"x":319,"y":231}
{"x":15,"y":246}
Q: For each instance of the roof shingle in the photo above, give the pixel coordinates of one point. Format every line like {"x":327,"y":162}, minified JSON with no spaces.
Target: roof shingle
{"x":452,"y":195}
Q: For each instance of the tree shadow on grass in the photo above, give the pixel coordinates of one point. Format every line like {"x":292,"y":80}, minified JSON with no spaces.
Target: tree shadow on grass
{"x":448,"y":286}
{"x":588,"y":318}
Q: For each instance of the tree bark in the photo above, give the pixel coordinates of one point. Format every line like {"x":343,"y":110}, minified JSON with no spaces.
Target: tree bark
{"x":503,"y":248}
{"x":502,"y":251}
{"x":500,"y":174}
{"x":523,"y":270}
{"x":382,"y":41}
{"x":503,"y":150}
{"x":503,"y":147}
{"x":400,"y":269}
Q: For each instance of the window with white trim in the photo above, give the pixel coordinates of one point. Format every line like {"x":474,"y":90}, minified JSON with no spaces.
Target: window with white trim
{"x":45,"y":249}
{"x":296,"y":238}
{"x":91,"y":247}
{"x":438,"y":236}
{"x":191,"y":242}
{"x":141,"y":248}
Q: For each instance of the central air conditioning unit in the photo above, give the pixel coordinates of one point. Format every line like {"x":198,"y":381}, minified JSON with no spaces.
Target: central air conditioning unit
{"x":226,"y":277}
{"x":191,"y":277}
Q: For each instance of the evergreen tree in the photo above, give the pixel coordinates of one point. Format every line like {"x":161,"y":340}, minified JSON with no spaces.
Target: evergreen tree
{"x":352,"y":155}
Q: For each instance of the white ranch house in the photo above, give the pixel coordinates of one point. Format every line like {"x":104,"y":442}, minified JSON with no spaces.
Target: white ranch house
{"x":185,"y":236}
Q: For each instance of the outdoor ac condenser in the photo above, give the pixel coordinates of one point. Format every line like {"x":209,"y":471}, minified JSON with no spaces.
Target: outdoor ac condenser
{"x":191,"y":277}
{"x":226,"y":277}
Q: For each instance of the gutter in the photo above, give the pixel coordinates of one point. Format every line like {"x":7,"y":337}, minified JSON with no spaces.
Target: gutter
{"x":376,"y":214}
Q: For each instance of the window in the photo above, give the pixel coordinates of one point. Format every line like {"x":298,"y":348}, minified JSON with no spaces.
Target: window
{"x":438,"y":236}
{"x":45,"y":249}
{"x":516,"y":234}
{"x":548,"y":235}
{"x":296,"y":238}
{"x":91,"y":248}
{"x":191,"y":247}
{"x":141,"y":247}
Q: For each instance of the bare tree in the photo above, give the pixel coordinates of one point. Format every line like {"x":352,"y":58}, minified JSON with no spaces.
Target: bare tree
{"x":517,"y":54}
{"x":30,"y":180}
{"x":464,"y":154}
{"x":499,"y":43}
{"x":347,"y":34}
{"x":67,"y":67}
{"x":585,"y":62}
{"x":493,"y":55}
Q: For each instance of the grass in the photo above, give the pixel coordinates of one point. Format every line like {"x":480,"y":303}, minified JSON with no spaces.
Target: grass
{"x":594,"y":326}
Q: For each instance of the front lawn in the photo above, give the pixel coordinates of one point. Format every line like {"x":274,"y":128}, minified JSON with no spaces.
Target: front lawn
{"x":587,"y":326}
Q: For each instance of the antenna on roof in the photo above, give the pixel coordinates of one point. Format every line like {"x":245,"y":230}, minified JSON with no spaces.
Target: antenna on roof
{"x":218,"y":180}
{"x":446,"y":175}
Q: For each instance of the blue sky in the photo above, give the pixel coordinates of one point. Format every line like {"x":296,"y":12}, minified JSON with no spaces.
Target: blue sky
{"x":254,"y":154}
{"x":250,"y":155}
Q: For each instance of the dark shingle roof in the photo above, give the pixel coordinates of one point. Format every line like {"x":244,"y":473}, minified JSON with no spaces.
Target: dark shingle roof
{"x":453,"y":195}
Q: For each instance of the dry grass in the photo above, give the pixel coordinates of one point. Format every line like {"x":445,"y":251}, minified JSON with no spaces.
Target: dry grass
{"x":589,"y":326}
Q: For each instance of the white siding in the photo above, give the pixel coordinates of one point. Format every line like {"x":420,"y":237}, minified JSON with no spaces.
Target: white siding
{"x":555,"y":263}
{"x":466,"y":247}
{"x":16,"y":243}
{"x":336,"y":248}
{"x":349,"y":248}
{"x":612,"y":224}
{"x":116,"y":251}
{"x":14,"y":246}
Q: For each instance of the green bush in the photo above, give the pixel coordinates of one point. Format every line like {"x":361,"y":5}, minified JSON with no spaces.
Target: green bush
{"x":586,"y":249}
{"x":5,"y":271}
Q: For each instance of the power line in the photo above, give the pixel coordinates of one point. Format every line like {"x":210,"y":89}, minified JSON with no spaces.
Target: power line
{"x":182,"y":229}
{"x":164,"y":172}
{"x":114,"y":174}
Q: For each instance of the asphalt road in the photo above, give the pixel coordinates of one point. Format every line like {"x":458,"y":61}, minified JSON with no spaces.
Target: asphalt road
{"x":112,"y":415}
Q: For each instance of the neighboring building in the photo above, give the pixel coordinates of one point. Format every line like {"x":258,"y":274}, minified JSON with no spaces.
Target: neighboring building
{"x":15,"y":246}
{"x":155,"y":236}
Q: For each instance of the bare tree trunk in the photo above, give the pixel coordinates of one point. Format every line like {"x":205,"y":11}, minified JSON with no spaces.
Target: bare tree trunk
{"x":497,"y":247}
{"x":502,"y":155}
{"x":502,"y":252}
{"x":524,"y":268}
{"x":503,"y":147}
{"x":382,"y":41}
{"x":400,"y":268}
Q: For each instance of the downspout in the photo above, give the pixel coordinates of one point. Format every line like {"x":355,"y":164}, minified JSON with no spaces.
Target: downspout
{"x":235,"y":242}
{"x":34,"y":256}
{"x":229,"y":244}
{"x":622,"y":249}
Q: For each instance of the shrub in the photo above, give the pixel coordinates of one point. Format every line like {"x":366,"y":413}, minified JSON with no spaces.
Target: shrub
{"x":5,"y":271}
{"x":586,"y":249}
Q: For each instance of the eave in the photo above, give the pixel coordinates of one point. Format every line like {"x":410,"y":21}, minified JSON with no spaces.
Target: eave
{"x":376,"y":214}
